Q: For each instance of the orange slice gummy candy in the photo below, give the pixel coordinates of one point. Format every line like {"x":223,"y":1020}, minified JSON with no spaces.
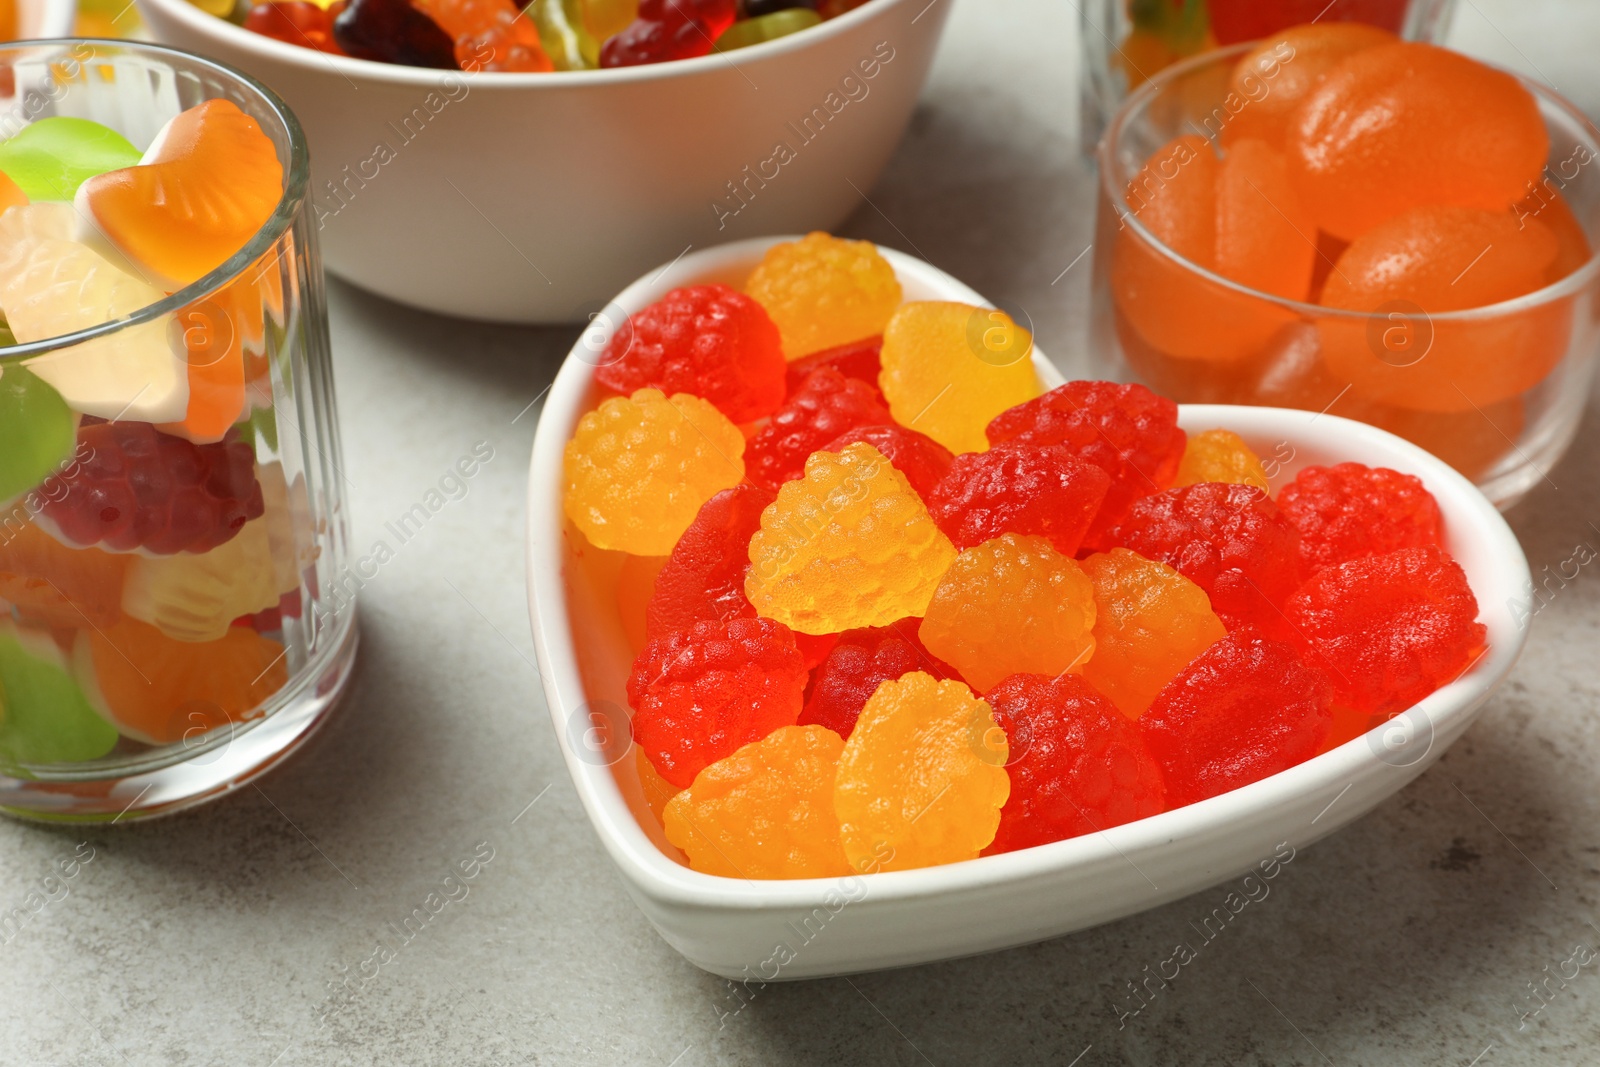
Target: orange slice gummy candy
{"x":208,"y":182}
{"x":49,"y":583}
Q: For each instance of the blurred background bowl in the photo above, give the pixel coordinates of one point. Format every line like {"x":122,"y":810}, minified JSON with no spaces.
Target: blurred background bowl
{"x":46,"y":18}
{"x":534,"y":197}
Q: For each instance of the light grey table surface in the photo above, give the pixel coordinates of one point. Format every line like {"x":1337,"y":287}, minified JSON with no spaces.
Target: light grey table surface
{"x":215,"y":937}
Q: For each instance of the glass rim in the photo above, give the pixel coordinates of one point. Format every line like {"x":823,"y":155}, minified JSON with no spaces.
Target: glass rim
{"x":1140,"y":98}
{"x":297,"y":180}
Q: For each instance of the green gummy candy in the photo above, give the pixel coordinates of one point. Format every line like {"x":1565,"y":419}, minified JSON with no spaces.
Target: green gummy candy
{"x":37,"y":430}
{"x":44,"y":716}
{"x":51,"y":157}
{"x":763,"y":28}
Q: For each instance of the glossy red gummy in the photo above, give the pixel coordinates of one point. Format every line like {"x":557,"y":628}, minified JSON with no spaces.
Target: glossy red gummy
{"x":143,"y":489}
{"x":1351,"y":510}
{"x":1233,"y":21}
{"x":1126,"y":430}
{"x":666,"y":30}
{"x":919,"y":457}
{"x":698,"y":695}
{"x":861,"y":661}
{"x":703,"y":579}
{"x":1246,"y":708}
{"x":1230,"y":540}
{"x":294,"y":22}
{"x":1077,"y":764}
{"x":1019,"y":488}
{"x":826,"y":406}
{"x":858,"y":360}
{"x":1388,"y":629}
{"x":392,"y":31}
{"x":708,"y":340}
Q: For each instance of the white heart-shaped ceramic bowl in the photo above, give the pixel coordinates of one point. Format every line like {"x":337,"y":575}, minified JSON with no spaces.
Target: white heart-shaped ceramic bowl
{"x":773,"y":930}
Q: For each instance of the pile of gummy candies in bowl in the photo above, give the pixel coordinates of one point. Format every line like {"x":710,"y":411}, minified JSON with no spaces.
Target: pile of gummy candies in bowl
{"x":897,"y":606}
{"x":526,"y":35}
{"x":149,"y":559}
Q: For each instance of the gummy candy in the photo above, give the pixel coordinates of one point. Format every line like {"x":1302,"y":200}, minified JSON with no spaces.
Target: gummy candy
{"x":1388,"y":629}
{"x":1011,"y":605}
{"x":700,"y":694}
{"x":1126,"y":430}
{"x":1248,"y":20}
{"x":563,"y":35}
{"x":1150,"y":622}
{"x":139,"y":488}
{"x":703,"y":579}
{"x":638,"y":468}
{"x":213,"y":335}
{"x":848,"y":545}
{"x":1290,"y":64}
{"x":1265,"y":239}
{"x":636,"y":583}
{"x":392,"y":31}
{"x":37,"y":431}
{"x":294,"y":22}
{"x":1221,"y":456}
{"x":606,"y":18}
{"x":1019,"y":488}
{"x":1077,"y":766}
{"x":858,"y":360}
{"x":1405,"y":125}
{"x":950,"y":368}
{"x":825,"y":407}
{"x":707,"y":340}
{"x":919,"y":457}
{"x":55,"y":586}
{"x":195,"y":597}
{"x":11,"y":195}
{"x":1231,"y":540}
{"x":657,"y":790}
{"x":1550,"y":208}
{"x":855,"y":667}
{"x":1246,"y":708}
{"x":1164,"y":31}
{"x":766,"y":811}
{"x":922,"y":778}
{"x":50,"y":157}
{"x":668,"y":29}
{"x":44,"y":717}
{"x":490,"y":35}
{"x":207,"y":184}
{"x":764,"y":28}
{"x":1350,"y":510}
{"x":1175,"y":197}
{"x":158,"y":690}
{"x":825,"y":291}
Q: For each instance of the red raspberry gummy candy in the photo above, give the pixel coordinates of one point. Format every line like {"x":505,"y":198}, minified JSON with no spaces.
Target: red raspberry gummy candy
{"x":708,"y":340}
{"x":1388,"y":629}
{"x":143,"y":489}
{"x":666,"y":30}
{"x":856,"y":359}
{"x":1126,"y":430}
{"x":1230,"y":540}
{"x":1078,"y":765}
{"x":919,"y":457}
{"x":1018,"y":488}
{"x":825,"y":407}
{"x":703,"y":579}
{"x":699,"y":694}
{"x":1245,"y":708}
{"x":861,"y":661}
{"x":1351,"y":510}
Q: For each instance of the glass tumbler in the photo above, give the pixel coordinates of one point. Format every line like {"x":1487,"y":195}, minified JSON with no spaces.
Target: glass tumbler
{"x":1495,"y":391}
{"x":172,"y":522}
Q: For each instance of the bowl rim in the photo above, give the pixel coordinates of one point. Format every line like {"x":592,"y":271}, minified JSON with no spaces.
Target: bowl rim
{"x":349,"y":67}
{"x":663,"y":879}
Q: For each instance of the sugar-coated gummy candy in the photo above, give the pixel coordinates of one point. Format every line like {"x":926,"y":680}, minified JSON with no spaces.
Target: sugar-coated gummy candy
{"x":1246,"y":708}
{"x":638,"y":468}
{"x":764,"y":28}
{"x":1019,"y":488}
{"x":826,"y":406}
{"x":1011,"y":605}
{"x":393,"y":31}
{"x":51,"y":585}
{"x":1351,"y":510}
{"x":949,"y":368}
{"x":1265,"y":237}
{"x":37,"y":431}
{"x":708,"y":340}
{"x":1150,"y":622}
{"x":296,"y":22}
{"x":1221,"y":456}
{"x":1076,"y":765}
{"x":44,"y":715}
{"x":50,"y":157}
{"x":703,"y":579}
{"x":1284,"y":68}
{"x":196,"y":596}
{"x":666,"y":30}
{"x":700,"y":694}
{"x":765,"y":811}
{"x":856,"y":665}
{"x":922,"y":778}
{"x":1388,"y":629}
{"x":919,"y":457}
{"x":856,"y":359}
{"x":825,"y":291}
{"x":848,"y":545}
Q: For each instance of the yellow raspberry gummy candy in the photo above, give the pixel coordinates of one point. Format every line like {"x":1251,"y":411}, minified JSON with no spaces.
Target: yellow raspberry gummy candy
{"x":766,"y":811}
{"x":824,"y":291}
{"x":922,"y":778}
{"x":850,"y":544}
{"x":1221,"y":456}
{"x":1151,"y":624}
{"x":638,"y":468}
{"x":1011,"y":605}
{"x":948,"y":369}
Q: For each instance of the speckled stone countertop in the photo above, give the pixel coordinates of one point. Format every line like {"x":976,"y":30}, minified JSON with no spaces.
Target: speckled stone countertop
{"x":1415,"y":936}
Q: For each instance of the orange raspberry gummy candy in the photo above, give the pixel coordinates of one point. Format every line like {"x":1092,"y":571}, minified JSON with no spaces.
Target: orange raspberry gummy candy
{"x":1221,"y":456}
{"x":824,"y":291}
{"x":766,"y":811}
{"x":1012,"y":605}
{"x":923,"y":777}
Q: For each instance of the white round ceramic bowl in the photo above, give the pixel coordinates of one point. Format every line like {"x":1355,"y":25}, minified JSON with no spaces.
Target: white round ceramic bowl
{"x":43,"y":19}
{"x":775,"y":930}
{"x":534,"y":197}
